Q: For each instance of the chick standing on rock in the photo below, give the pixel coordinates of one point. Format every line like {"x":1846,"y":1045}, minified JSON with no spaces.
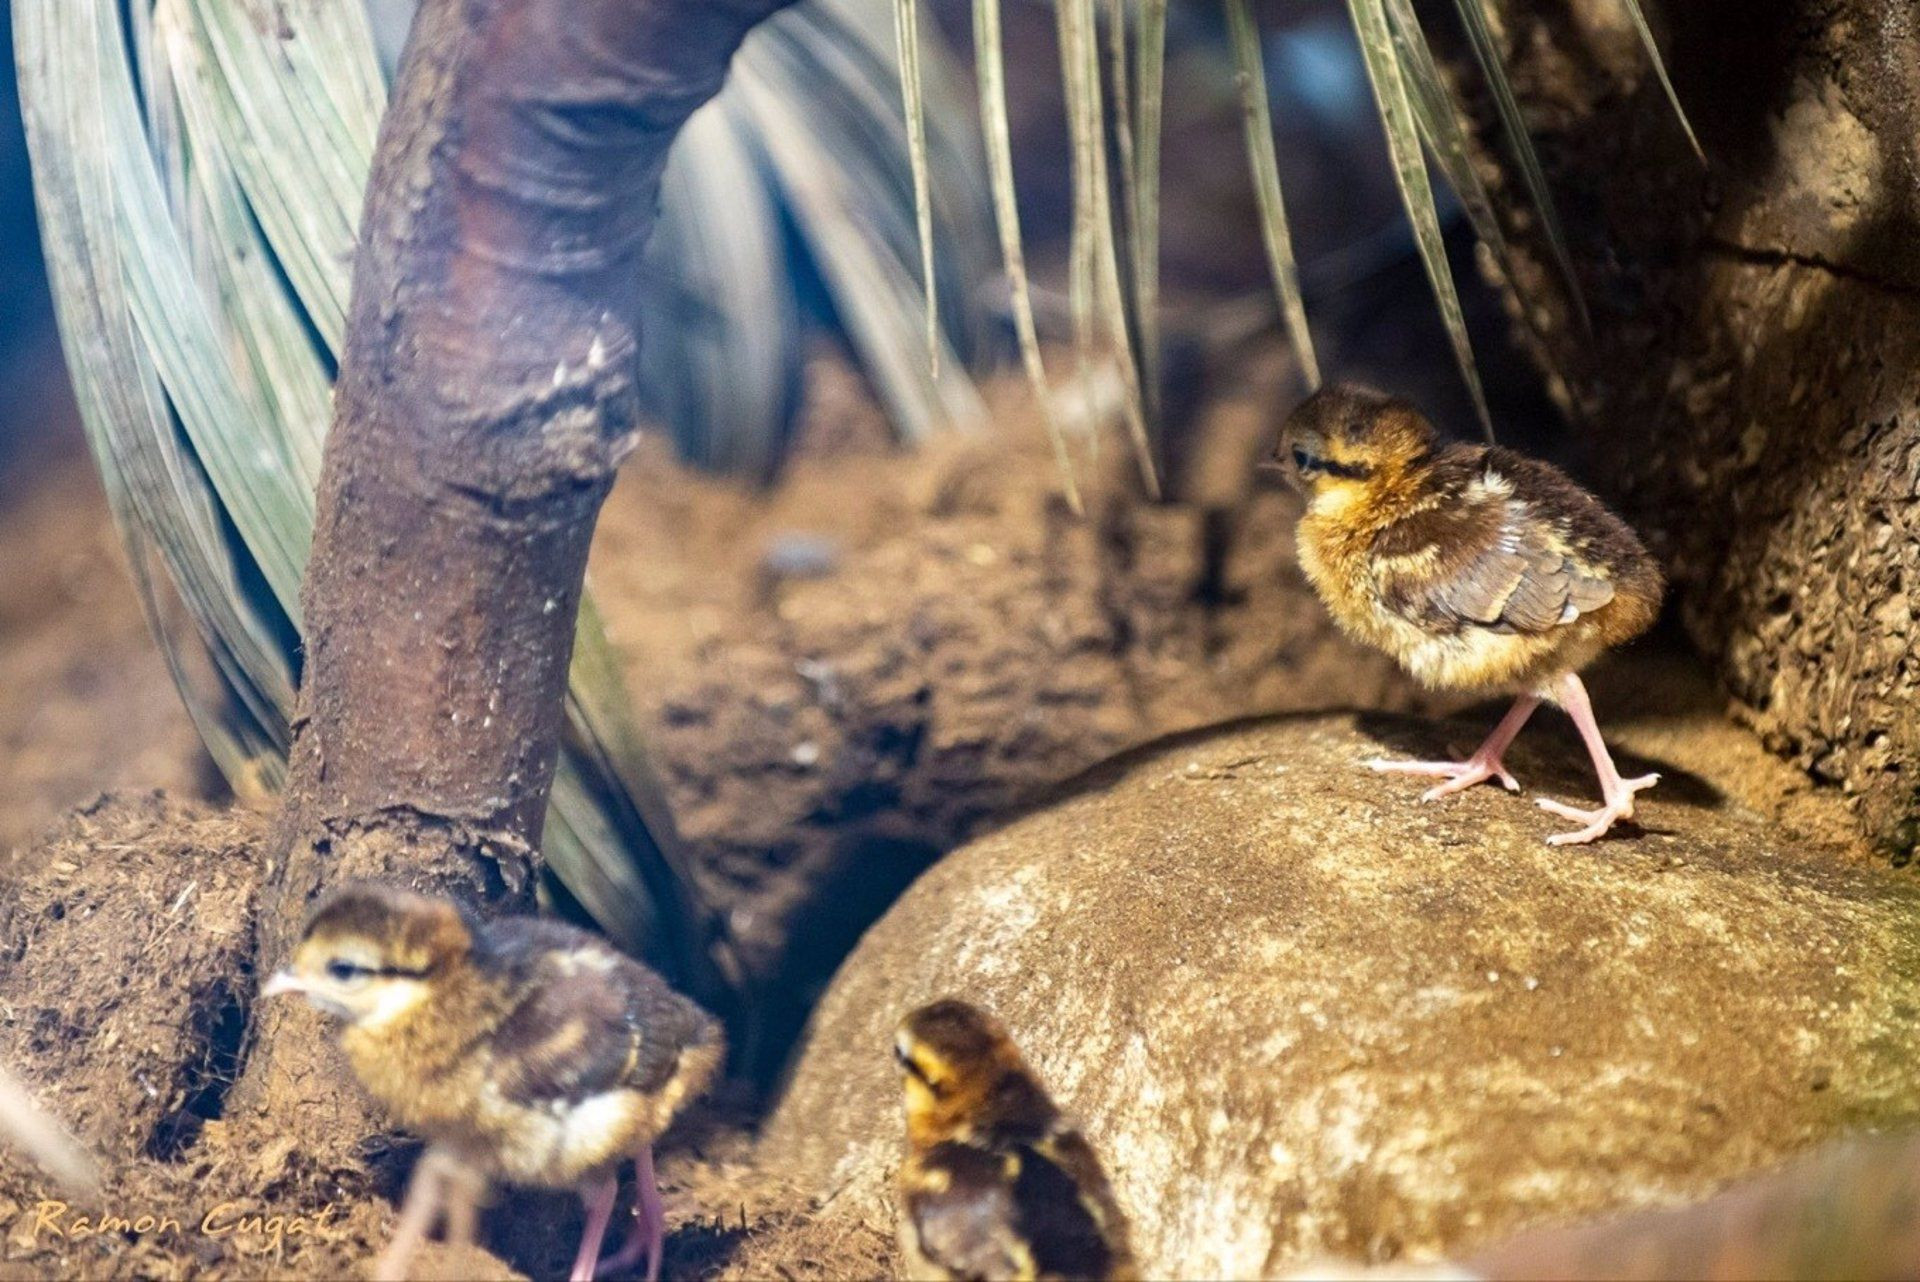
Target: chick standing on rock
{"x":1475,"y":567}
{"x":997,"y":1184}
{"x":524,"y":1050}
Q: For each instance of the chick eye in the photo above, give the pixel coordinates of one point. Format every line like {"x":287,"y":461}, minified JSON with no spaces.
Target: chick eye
{"x":343,"y":971}
{"x":1302,"y":460}
{"x":911,"y":1066}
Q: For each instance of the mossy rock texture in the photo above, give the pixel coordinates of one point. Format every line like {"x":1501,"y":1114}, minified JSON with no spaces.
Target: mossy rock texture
{"x":1301,"y":1014}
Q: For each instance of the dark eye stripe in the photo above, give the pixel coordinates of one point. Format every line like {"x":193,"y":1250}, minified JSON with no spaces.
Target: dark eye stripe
{"x":341,"y":969}
{"x":907,"y":1063}
{"x":1309,"y":463}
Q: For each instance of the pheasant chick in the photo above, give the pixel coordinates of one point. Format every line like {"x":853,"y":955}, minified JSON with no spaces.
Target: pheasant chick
{"x":997,"y":1184}
{"x":524,"y":1050}
{"x":1476,"y":568}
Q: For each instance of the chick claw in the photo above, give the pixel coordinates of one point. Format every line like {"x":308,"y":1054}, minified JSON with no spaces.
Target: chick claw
{"x":1619,"y":806}
{"x":1460,"y":775}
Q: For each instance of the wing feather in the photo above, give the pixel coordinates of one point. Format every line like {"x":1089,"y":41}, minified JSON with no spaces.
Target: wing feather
{"x":1486,"y":557}
{"x":961,"y":1212}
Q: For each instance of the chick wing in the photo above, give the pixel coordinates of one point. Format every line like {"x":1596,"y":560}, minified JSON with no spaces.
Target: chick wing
{"x":1507,"y":544}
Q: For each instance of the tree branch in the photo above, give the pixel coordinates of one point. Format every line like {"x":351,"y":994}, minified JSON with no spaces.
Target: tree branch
{"x":486,"y":397}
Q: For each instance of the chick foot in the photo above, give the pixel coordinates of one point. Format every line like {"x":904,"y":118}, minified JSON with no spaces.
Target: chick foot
{"x":1617,"y":792}
{"x":1598,"y":822}
{"x":1483,"y":765}
{"x":648,"y":1239}
{"x":598,"y":1201}
{"x":1459,"y":775}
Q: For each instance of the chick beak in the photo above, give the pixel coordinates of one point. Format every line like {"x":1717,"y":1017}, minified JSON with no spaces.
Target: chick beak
{"x":282,"y":981}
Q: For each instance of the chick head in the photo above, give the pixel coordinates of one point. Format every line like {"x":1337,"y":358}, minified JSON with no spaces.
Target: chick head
{"x":371,"y":952}
{"x":1346,"y":440}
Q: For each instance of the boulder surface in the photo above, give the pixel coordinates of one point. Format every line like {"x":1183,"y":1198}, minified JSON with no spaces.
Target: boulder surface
{"x":1301,"y":1014}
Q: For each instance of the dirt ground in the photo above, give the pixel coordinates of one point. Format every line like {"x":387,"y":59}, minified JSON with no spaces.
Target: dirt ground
{"x":85,"y":702}
{"x":841,"y":680}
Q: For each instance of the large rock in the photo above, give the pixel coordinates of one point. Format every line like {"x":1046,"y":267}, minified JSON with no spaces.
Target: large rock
{"x":1301,"y":1014}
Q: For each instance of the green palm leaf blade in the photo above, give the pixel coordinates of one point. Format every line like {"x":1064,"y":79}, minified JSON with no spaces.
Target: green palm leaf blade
{"x":160,"y":498}
{"x":1245,"y":38}
{"x":1094,"y":287}
{"x":1639,"y":18}
{"x":1440,"y":125}
{"x":302,"y":157}
{"x":843,"y":174}
{"x":906,"y":21}
{"x":1149,"y":111}
{"x":1487,"y":53}
{"x":720,"y":352}
{"x":1416,"y":190}
{"x":990,"y":55}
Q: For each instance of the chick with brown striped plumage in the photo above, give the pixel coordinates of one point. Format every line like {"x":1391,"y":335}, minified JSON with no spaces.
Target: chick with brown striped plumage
{"x":997,"y":1183}
{"x":1477,"y":568}
{"x":524,"y":1051}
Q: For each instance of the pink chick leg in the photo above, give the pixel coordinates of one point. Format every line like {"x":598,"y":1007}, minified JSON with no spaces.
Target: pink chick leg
{"x":599,"y":1203}
{"x":650,"y":1234}
{"x":1483,"y":765}
{"x":1616,"y":792}
{"x":417,"y":1215}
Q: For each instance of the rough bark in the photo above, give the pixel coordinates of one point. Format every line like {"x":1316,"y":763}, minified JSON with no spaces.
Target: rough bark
{"x":1753,"y":382}
{"x":485,"y":399}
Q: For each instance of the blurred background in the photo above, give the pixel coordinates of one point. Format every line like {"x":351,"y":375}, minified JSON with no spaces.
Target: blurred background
{"x":1358,"y":266}
{"x":36,"y":405}
{"x":86,"y":702}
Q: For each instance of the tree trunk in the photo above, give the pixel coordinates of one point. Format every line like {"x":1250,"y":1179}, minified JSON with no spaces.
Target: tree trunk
{"x":485,"y":399}
{"x":1753,"y":380}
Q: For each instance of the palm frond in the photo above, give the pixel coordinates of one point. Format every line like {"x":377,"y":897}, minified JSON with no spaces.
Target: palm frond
{"x":1245,"y":38}
{"x":1094,"y":288}
{"x":1416,"y":190}
{"x":906,"y":20}
{"x":814,"y":93}
{"x":1639,"y":18}
{"x":1487,"y":53}
{"x":1439,"y":119}
{"x":990,"y":57}
{"x":1150,"y":58}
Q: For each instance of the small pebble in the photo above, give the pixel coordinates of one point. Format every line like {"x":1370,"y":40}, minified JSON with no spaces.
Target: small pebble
{"x":799,"y":555}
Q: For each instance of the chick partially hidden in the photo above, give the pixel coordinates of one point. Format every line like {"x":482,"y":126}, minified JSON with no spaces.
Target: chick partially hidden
{"x":1475,"y":567}
{"x":997,"y":1184}
{"x":523,"y":1050}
